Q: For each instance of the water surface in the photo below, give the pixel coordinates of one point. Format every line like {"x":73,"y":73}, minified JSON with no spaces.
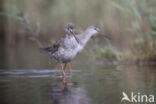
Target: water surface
{"x":95,"y":84}
{"x":27,"y":77}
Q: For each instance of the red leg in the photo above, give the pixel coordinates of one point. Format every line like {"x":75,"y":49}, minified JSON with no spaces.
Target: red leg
{"x":63,"y":71}
{"x":56,"y":68}
{"x":56,"y":65}
{"x":69,"y":68}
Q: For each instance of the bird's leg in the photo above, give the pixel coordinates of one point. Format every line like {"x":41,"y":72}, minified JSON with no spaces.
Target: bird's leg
{"x":69,"y":68}
{"x":56,"y":68}
{"x":64,"y":67}
{"x":56,"y":65}
{"x":63,"y":70}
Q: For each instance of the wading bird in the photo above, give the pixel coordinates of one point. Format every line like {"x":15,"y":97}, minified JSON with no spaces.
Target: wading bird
{"x":65,"y":49}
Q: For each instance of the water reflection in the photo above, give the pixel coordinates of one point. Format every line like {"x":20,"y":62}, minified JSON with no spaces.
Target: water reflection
{"x":33,"y":83}
{"x":65,"y":91}
{"x":96,"y":84}
{"x":24,"y":79}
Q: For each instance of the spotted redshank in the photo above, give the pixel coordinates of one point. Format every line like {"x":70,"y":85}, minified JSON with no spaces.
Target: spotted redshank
{"x":65,"y":49}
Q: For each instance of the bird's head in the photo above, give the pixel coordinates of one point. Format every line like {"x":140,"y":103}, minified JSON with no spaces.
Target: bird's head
{"x":95,"y":30}
{"x":70,"y":28}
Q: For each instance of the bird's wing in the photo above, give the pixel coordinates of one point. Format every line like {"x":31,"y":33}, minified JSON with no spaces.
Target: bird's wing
{"x":79,"y":38}
{"x":55,"y":47}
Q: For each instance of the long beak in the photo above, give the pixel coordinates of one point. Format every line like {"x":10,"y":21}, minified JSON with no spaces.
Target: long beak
{"x":104,"y":35}
{"x":75,"y":36}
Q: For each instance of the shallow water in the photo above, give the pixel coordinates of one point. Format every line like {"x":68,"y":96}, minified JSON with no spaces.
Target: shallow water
{"x":94,"y":85}
{"x":27,"y":77}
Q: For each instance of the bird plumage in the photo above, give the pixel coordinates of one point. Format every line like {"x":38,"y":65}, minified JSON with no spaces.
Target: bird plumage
{"x":65,"y":49}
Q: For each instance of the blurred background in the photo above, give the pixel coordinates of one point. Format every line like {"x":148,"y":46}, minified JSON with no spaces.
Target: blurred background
{"x":26,"y":26}
{"x":98,"y":74}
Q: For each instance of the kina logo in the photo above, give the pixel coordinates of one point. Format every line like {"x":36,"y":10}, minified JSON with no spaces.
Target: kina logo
{"x":138,"y":97}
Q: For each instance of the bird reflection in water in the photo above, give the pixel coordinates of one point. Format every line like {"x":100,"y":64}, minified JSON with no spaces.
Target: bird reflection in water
{"x":64,"y":91}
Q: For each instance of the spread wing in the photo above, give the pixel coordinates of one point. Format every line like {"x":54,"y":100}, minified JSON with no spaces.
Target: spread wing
{"x":55,"y":47}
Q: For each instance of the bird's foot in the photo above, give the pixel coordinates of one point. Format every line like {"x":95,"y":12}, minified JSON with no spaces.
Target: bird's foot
{"x":63,"y":74}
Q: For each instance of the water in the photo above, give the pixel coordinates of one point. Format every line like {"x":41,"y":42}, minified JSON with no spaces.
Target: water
{"x":27,"y":77}
{"x":94,"y":85}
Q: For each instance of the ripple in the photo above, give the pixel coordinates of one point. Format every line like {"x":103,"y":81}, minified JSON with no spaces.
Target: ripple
{"x":28,"y":71}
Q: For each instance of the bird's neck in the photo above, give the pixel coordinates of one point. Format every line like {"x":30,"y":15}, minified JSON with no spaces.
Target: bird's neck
{"x":86,"y":37}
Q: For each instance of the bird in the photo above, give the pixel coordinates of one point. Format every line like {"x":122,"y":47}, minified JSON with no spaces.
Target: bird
{"x":65,"y":49}
{"x":84,"y":37}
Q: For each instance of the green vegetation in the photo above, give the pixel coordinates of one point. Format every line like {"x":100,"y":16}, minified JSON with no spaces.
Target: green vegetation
{"x":144,"y":24}
{"x":141,"y":19}
{"x":145,"y":46}
{"x":109,"y":53}
{"x":131,"y":23}
{"x":25,"y":24}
